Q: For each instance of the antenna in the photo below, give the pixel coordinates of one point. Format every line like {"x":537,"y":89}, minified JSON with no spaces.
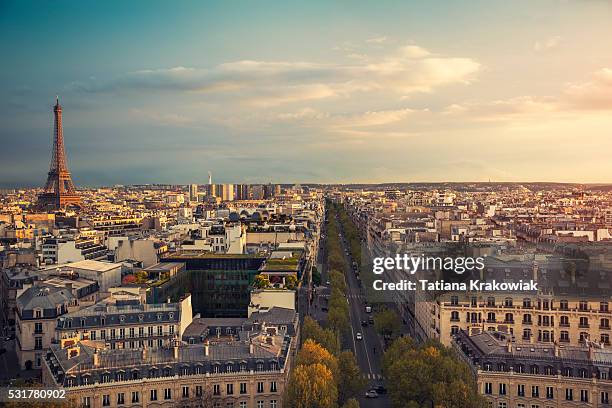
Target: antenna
{"x":209,"y":177}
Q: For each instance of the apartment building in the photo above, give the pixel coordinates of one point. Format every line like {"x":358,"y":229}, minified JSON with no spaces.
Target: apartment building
{"x":238,"y":369}
{"x":524,"y":375}
{"x":123,"y":321}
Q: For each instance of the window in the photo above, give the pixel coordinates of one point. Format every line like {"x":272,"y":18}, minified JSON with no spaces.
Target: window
{"x":38,"y":328}
{"x":273,"y":386}
{"x":150,"y":330}
{"x":584,"y":322}
{"x":86,"y":401}
{"x":603,"y":307}
{"x":273,"y":404}
{"x":38,"y":314}
{"x":604,"y":323}
{"x":38,"y":343}
{"x":185,"y":391}
{"x":508,"y":302}
{"x":584,"y":396}
{"x":120,"y":398}
{"x":509,"y":318}
{"x":569,"y":394}
{"x":92,"y":334}
{"x":491,"y":317}
{"x":153,"y":395}
{"x":216,"y":389}
{"x":243,"y":388}
{"x":564,"y":321}
{"x":535,"y":391}
{"x":550,"y":393}
{"x":167,"y":393}
{"x":502,"y":389}
{"x":604,"y":398}
{"x":490,"y":301}
{"x":198,"y":391}
{"x":526,"y":302}
{"x":229,"y":388}
{"x":454,"y":300}
{"x":583,"y":305}
{"x":260,"y":386}
{"x":160,"y":330}
{"x":454,"y":316}
{"x":106,"y":400}
{"x":260,"y":404}
{"x":526,"y":319}
{"x":135,"y":396}
{"x":131,"y":332}
{"x":243,"y":404}
{"x":454,"y":330}
{"x":488,"y":388}
{"x":520,"y":390}
{"x":605,"y":339}
{"x":564,"y":336}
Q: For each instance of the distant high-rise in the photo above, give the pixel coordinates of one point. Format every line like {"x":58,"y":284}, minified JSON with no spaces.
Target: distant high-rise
{"x":193,"y":192}
{"x":59,"y":189}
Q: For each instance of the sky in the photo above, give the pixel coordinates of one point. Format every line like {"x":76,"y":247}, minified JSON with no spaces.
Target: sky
{"x":316,"y":91}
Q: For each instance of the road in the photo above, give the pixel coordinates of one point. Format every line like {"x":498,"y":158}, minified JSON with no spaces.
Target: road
{"x":368,"y":350}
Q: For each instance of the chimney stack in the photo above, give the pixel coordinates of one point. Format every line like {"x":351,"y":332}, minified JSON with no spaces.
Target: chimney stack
{"x":96,"y":358}
{"x":251,"y":347}
{"x":206,"y":348}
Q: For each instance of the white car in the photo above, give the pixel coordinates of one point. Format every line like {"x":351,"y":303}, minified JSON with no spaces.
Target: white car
{"x":371,"y":394}
{"x":359,"y":336}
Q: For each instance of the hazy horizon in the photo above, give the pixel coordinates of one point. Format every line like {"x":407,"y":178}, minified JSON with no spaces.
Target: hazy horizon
{"x":316,"y":92}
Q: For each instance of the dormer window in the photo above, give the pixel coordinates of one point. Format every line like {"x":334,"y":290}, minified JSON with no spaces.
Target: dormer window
{"x":171,"y":315}
{"x":38,"y":313}
{"x":140,"y":317}
{"x":122,"y":318}
{"x":159,"y":316}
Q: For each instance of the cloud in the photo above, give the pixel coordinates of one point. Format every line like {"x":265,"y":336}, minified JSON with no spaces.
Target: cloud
{"x":377,"y":40}
{"x":162,"y":118}
{"x":407,"y":69}
{"x":593,"y":94}
{"x":548,"y":44}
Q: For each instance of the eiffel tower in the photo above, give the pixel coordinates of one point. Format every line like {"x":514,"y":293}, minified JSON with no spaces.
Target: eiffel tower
{"x":59,"y":190}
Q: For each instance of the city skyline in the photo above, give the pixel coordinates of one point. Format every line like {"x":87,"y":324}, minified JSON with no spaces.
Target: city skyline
{"x":308,"y":93}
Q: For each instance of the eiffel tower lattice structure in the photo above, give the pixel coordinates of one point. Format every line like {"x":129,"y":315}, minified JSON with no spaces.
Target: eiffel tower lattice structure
{"x":59,"y":190}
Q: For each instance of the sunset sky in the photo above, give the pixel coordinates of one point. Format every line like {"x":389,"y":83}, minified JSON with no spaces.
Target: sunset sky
{"x":308,"y":91}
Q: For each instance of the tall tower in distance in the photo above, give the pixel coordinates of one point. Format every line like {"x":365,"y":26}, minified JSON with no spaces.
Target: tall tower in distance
{"x":59,"y":190}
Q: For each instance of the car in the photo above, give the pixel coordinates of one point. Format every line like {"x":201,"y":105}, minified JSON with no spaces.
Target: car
{"x":359,"y":336}
{"x":380,"y":389}
{"x":364,"y":323}
{"x":371,"y":394}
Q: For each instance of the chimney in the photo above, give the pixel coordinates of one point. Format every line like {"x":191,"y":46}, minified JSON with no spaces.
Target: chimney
{"x":175,"y":348}
{"x":206,"y":348}
{"x":251,"y":347}
{"x":144,"y":353}
{"x":509,"y":346}
{"x":556,"y":349}
{"x":96,"y":358}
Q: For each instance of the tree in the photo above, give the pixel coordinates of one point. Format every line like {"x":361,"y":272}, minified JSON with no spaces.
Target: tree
{"x":351,"y":403}
{"x":311,"y":386}
{"x":337,"y":319}
{"x":141,"y":276}
{"x":316,"y":277}
{"x":442,"y":380}
{"x":327,"y":338}
{"x":261,"y":281}
{"x":387,"y":323}
{"x":290,"y":282}
{"x":313,"y":353}
{"x":350,"y":382}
